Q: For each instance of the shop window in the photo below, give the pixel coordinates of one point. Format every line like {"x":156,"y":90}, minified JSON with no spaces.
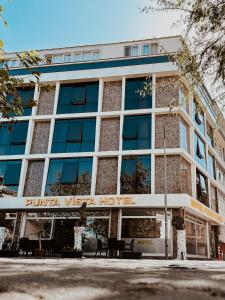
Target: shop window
{"x":13,"y":138}
{"x":200,"y":155}
{"x":69,"y":176}
{"x":211,"y":165}
{"x":201,"y":188}
{"x":198,"y":117}
{"x":10,"y":172}
{"x":74,"y":135}
{"x":196,"y":238}
{"x":137,"y":132}
{"x":133,"y":98}
{"x":78,"y":98}
{"x":27,"y":97}
{"x":184,"y":142}
{"x":136,"y":175}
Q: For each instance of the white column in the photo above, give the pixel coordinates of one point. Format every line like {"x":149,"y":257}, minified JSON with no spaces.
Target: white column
{"x":22,"y":177}
{"x":181,"y":245}
{"x":23,"y":224}
{"x":45,"y":175}
{"x":119,"y":227}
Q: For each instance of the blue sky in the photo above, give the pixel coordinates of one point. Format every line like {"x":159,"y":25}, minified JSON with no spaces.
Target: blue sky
{"x":39,"y":24}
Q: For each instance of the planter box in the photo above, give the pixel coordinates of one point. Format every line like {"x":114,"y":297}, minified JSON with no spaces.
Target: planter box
{"x":130,"y":255}
{"x":9,"y":253}
{"x":71,"y":254}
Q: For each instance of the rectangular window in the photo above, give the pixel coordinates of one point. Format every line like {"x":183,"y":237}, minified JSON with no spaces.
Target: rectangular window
{"x":69,"y":176}
{"x":136,"y":175}
{"x":13,"y":138}
{"x":57,"y":59}
{"x":137,"y":132}
{"x":200,"y":155}
{"x":78,"y":98}
{"x":74,"y":135}
{"x":127,"y":51}
{"x":67,"y":57}
{"x":211,"y":165}
{"x":15,"y":63}
{"x":134,"y":50}
{"x":96,"y":55}
{"x":10,"y":171}
{"x":77,"y":56}
{"x":184,"y":136}
{"x":133,"y":98}
{"x":201,"y":188}
{"x":86,"y":56}
{"x":27,"y":96}
{"x":146,"y":49}
{"x":198,"y":116}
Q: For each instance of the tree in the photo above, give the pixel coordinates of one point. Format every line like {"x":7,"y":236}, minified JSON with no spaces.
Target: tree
{"x":202,"y":55}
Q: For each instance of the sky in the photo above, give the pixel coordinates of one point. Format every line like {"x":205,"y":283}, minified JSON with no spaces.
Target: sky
{"x":41,"y":24}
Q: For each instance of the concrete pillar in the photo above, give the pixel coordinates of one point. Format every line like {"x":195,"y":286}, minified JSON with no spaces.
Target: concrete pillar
{"x":78,"y":231}
{"x":181,"y":245}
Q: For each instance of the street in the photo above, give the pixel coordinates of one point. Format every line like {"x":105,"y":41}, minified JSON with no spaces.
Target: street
{"x":95,"y":279}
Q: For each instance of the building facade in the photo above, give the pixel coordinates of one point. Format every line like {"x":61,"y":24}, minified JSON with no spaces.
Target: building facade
{"x":94,"y":138}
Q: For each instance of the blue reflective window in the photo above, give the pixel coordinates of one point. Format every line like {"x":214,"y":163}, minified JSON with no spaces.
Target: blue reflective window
{"x":69,"y":176}
{"x":78,"y":98}
{"x":184,"y":136}
{"x":200,"y":155}
{"x":136,"y":175}
{"x":137,"y":132}
{"x":74,"y":135}
{"x":27,"y":96}
{"x":133,"y":99}
{"x":10,"y":171}
{"x":211,"y":165}
{"x":13,"y":138}
{"x":198,"y":117}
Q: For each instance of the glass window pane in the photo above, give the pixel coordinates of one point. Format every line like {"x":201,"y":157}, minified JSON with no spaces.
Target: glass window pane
{"x":67,"y":58}
{"x":183,"y":136}
{"x":10,"y":171}
{"x":133,"y":99}
{"x":57,"y":59}
{"x":127,"y":51}
{"x":146,"y":49}
{"x":69,"y":172}
{"x":77,"y":57}
{"x":134,"y":51}
{"x":86,"y":56}
{"x":96,"y":55}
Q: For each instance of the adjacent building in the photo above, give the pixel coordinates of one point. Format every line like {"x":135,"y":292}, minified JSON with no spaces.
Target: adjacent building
{"x":94,"y":138}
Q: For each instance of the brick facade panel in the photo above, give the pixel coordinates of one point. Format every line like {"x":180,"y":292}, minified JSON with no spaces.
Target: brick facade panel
{"x":109,"y":136}
{"x":112,"y":96}
{"x":40,"y":137}
{"x":186,"y":187}
{"x":172,"y":126}
{"x":46,"y":102}
{"x":166,"y":94}
{"x":107,"y":176}
{"x":34,"y":177}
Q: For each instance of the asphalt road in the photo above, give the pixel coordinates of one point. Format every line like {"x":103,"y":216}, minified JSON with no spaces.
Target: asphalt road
{"x":110,"y":279}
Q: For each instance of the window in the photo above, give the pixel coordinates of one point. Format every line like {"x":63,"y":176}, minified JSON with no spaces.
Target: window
{"x":154,"y":48}
{"x":133,"y":99}
{"x":78,"y":98}
{"x":131,"y":50}
{"x":198,"y":116}
{"x":136,"y":175}
{"x":211,"y":165}
{"x":74,"y":135}
{"x":137,"y":132}
{"x":77,"y":57}
{"x":184,"y":136}
{"x":146,"y":49}
{"x":27,"y":97}
{"x":200,"y":151}
{"x":48,"y":59}
{"x":13,"y":138}
{"x":10,"y":171}
{"x":69,"y":176}
{"x":86,"y":56}
{"x":67,"y":58}
{"x":96,"y":55}
{"x":201,"y":188}
{"x":209,"y":134}
{"x":57,"y":59}
{"x":15,"y":63}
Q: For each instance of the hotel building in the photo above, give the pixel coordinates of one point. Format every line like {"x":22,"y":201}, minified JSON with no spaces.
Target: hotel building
{"x":93,"y":138}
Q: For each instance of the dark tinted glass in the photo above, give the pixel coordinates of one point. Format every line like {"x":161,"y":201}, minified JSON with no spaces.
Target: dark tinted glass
{"x":136,"y":175}
{"x":10,"y":171}
{"x":78,"y":98}
{"x":74,"y":135}
{"x":137,"y":132}
{"x":133,"y":99}
{"x":27,"y":96}
{"x":13,"y":138}
{"x":69,"y":176}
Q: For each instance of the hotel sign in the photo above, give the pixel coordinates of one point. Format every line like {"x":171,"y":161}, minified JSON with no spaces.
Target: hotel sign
{"x":77,"y":201}
{"x":206,"y":211}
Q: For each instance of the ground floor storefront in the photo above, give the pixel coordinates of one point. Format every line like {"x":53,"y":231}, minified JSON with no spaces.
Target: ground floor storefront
{"x":144,"y":227}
